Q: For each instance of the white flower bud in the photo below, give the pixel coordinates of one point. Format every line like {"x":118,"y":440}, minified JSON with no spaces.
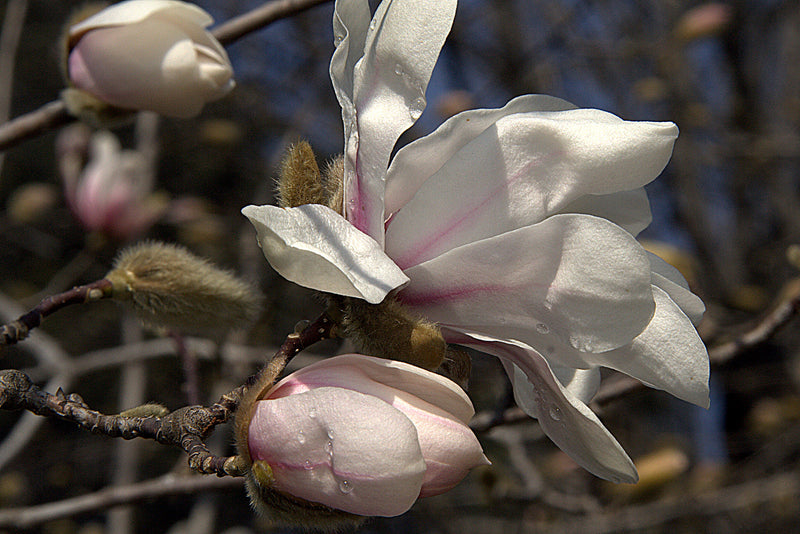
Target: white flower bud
{"x":149,"y":55}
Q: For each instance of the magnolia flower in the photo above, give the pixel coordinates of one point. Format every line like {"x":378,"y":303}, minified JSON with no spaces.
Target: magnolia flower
{"x":364,"y":435}
{"x":149,"y":54}
{"x":112,"y":194}
{"x":512,"y":228}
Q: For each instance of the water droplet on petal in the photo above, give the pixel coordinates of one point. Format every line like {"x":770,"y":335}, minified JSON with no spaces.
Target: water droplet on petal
{"x":301,"y":438}
{"x":542,"y":328}
{"x":398,"y":69}
{"x":373,"y":24}
{"x":312,"y":412}
{"x":555,"y":413}
{"x":416,"y":108}
{"x":330,"y":434}
{"x":337,"y":40}
{"x":308,"y":466}
{"x":345,"y":486}
{"x":329,"y":448}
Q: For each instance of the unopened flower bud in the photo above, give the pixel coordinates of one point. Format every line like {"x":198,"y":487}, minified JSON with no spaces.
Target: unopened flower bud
{"x":301,"y":182}
{"x":356,"y":434}
{"x":169,"y":286}
{"x":147,"y":55}
{"x":388,"y":330}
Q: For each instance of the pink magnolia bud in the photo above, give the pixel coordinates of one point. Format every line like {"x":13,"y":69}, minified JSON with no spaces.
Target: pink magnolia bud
{"x":113,"y":193}
{"x":364,"y":435}
{"x":150,"y":55}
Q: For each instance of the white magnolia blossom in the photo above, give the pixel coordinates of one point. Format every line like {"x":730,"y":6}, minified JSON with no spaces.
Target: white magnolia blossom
{"x":150,"y":54}
{"x":316,"y":429}
{"x":513,"y":228}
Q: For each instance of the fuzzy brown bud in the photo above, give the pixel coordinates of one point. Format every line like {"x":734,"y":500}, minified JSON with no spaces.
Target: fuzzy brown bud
{"x":388,"y":330}
{"x":169,"y":286}
{"x":301,"y":182}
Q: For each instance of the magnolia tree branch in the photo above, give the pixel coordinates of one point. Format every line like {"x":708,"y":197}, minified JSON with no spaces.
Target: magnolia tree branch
{"x":54,"y":114}
{"x":18,"y":330}
{"x":186,"y":427}
{"x":163,"y":486}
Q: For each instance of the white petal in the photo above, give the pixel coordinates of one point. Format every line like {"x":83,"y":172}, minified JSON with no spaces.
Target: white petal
{"x":421,"y":159}
{"x":627,"y":209}
{"x":350,"y":23}
{"x":136,"y":11}
{"x":576,"y":278}
{"x":564,"y":418}
{"x":521,"y":169}
{"x":401,"y":48}
{"x":668,"y":355}
{"x":430,"y":387}
{"x":341,"y":448}
{"x":672,"y":281}
{"x":315,"y":247}
{"x":582,"y":383}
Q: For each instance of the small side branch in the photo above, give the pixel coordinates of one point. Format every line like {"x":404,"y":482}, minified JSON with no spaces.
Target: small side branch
{"x":18,"y":330}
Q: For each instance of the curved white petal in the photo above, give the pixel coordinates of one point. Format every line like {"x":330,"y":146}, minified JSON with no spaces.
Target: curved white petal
{"x":668,"y":278}
{"x":576,"y":278}
{"x":628,"y":209}
{"x":521,"y":169}
{"x":315,"y":247}
{"x":668,"y":355}
{"x":350,"y":24}
{"x":583,"y":383}
{"x":401,"y":47}
{"x":563,"y":417}
{"x":421,"y":159}
{"x":430,"y":387}
{"x":134,"y":11}
{"x":341,"y":448}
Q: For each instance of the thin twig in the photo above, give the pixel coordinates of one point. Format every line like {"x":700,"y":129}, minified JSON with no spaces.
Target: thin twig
{"x":166,"y":485}
{"x":18,"y":330}
{"x":258,"y":18}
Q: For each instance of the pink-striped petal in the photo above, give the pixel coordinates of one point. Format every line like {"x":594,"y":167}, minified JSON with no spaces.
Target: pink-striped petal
{"x":521,"y":169}
{"x":574,"y":278}
{"x":401,"y":47}
{"x":341,"y":448}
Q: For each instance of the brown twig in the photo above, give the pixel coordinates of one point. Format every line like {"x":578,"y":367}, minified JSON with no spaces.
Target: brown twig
{"x":22,"y":518}
{"x":258,"y":18}
{"x":18,"y":330}
{"x":186,"y":427}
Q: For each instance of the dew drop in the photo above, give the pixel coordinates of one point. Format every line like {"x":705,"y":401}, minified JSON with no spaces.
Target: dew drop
{"x":373,"y":24}
{"x":337,"y":40}
{"x":345,"y":486}
{"x":329,"y":448}
{"x":542,"y":328}
{"x":555,"y":413}
{"x":301,"y":438}
{"x":308,"y":466}
{"x":330,"y":434}
{"x":398,"y":69}
{"x":312,"y":412}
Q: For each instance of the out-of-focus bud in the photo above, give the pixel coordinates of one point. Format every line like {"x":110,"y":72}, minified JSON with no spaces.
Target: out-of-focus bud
{"x":703,"y":21}
{"x":148,"y":55}
{"x":358,"y":434}
{"x":113,"y":193}
{"x":171,"y":287}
